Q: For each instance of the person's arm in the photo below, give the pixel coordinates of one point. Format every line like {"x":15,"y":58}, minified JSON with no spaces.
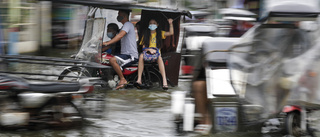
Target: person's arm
{"x":170,"y":32}
{"x":114,"y":40}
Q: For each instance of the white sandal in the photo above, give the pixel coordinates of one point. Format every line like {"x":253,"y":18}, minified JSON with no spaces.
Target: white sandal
{"x":203,"y":129}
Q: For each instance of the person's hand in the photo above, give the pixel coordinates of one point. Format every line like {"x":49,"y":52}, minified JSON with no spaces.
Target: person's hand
{"x":170,"y":21}
{"x":104,"y":44}
{"x":152,"y":51}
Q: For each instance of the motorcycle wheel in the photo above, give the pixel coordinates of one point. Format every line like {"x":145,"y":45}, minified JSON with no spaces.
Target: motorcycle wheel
{"x":155,"y":81}
{"x":94,"y":105}
{"x":62,"y":115}
{"x":292,"y":124}
{"x":74,"y":74}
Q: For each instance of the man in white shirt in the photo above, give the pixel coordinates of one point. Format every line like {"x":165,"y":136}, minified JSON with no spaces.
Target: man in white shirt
{"x":129,"y":51}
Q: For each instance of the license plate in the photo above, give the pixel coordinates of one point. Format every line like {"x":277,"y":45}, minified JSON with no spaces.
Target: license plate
{"x":226,"y":119}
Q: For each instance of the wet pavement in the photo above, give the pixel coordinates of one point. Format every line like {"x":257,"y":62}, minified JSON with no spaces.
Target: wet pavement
{"x":130,"y":112}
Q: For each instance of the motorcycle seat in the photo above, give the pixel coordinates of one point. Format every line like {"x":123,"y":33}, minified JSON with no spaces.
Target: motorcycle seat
{"x":146,"y":64}
{"x":53,"y":87}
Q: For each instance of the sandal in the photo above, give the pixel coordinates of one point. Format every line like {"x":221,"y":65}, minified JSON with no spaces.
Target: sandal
{"x":203,"y":129}
{"x":120,"y":86}
{"x":165,"y":87}
{"x":137,"y":85}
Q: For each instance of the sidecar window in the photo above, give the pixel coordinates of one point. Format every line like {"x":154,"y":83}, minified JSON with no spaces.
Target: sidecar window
{"x":92,"y":40}
{"x":286,"y":39}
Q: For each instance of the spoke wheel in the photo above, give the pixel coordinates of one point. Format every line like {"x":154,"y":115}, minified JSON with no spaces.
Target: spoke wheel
{"x":155,"y":81}
{"x":74,"y":74}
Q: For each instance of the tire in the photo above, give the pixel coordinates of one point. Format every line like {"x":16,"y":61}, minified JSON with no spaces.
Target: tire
{"x":292,"y":124}
{"x":73,"y":74}
{"x":155,"y":81}
{"x":179,"y":126}
{"x":94,"y":105}
{"x":62,"y":115}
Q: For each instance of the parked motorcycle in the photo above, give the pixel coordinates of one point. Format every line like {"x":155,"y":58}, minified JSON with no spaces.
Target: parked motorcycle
{"x":25,"y":104}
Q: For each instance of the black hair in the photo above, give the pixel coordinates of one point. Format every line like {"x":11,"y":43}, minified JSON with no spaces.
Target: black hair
{"x":147,"y":34}
{"x":138,"y":24}
{"x":113,"y":26}
{"x":127,"y":12}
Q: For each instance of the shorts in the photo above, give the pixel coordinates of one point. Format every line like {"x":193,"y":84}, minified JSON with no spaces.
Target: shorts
{"x":125,"y":60}
{"x":200,"y":74}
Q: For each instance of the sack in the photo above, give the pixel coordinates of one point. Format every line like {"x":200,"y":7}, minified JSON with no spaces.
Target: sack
{"x":151,"y":57}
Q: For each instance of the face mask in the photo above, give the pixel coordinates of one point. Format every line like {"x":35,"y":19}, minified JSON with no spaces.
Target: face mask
{"x":119,"y":18}
{"x":153,"y":26}
{"x":110,"y":35}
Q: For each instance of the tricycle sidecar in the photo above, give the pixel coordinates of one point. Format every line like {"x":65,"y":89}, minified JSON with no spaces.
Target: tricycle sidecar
{"x":271,"y":67}
{"x":94,"y":35}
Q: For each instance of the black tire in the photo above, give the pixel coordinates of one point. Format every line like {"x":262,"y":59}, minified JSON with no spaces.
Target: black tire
{"x":94,"y":105}
{"x":292,"y":124}
{"x":74,"y":74}
{"x":155,"y":81}
{"x":62,"y":115}
{"x":179,"y":126}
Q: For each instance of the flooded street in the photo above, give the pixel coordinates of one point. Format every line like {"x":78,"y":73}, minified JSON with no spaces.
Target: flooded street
{"x":129,"y":112}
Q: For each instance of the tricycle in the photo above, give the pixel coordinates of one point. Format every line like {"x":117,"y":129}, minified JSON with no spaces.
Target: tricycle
{"x":264,"y":82}
{"x":94,"y":36}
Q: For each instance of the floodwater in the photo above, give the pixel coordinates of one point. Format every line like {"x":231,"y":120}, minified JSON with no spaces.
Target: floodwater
{"x":130,"y":112}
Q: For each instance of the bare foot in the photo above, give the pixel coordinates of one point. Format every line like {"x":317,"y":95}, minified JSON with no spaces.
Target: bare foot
{"x":122,"y":81}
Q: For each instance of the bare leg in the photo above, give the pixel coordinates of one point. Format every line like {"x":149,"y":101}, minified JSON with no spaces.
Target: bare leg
{"x":201,"y":101}
{"x":116,"y":67}
{"x":162,"y":71}
{"x":140,"y":68}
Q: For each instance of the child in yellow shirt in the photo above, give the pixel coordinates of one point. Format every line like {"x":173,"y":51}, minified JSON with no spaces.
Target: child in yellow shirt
{"x":150,"y":41}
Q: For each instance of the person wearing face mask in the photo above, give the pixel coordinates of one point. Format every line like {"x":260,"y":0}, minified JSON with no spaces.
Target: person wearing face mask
{"x":129,"y":52}
{"x":112,"y":31}
{"x":151,"y":41}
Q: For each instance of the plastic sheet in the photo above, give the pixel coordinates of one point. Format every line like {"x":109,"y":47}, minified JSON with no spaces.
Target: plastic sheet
{"x":268,"y":67}
{"x":92,"y":41}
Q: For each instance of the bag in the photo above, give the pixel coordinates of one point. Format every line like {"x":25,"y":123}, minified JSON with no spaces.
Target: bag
{"x":151,"y":57}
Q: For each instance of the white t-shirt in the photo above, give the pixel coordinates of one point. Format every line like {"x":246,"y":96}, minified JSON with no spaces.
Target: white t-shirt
{"x":128,"y":42}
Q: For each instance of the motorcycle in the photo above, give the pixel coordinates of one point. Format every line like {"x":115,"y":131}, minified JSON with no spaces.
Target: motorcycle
{"x":34,"y":105}
{"x":91,"y":51}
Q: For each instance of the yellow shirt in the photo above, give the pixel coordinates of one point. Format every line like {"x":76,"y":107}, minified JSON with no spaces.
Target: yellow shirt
{"x":153,"y":40}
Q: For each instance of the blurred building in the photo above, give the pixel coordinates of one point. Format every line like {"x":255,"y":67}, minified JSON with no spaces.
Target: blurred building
{"x":28,"y":25}
{"x":68,"y":23}
{"x":19,"y":23}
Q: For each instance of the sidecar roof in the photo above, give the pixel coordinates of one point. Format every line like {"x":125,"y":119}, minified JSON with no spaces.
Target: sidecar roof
{"x":292,"y":11}
{"x":106,"y":4}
